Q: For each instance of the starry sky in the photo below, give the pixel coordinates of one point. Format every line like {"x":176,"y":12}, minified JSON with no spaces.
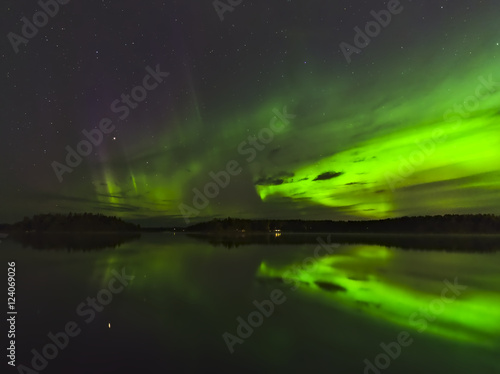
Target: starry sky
{"x":314,"y":122}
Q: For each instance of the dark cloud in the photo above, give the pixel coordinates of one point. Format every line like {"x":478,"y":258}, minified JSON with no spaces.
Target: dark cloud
{"x":274,"y":180}
{"x":328,"y":175}
{"x":269,"y":182}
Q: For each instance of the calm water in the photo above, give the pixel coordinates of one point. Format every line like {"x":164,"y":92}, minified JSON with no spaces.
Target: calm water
{"x":335,"y":310}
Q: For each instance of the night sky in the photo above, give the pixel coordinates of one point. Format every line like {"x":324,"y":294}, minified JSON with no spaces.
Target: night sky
{"x":409,"y":125}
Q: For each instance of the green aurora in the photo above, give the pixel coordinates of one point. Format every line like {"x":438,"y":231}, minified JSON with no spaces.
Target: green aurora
{"x":362,"y":123}
{"x":383,"y":169}
{"x":365,"y":127}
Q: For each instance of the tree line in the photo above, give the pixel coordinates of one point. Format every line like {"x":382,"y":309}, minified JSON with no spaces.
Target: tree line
{"x":449,"y":223}
{"x":72,"y":222}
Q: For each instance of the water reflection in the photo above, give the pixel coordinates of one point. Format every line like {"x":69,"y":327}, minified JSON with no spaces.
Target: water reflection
{"x":187,"y":293}
{"x":74,"y":241}
{"x":430,"y":242}
{"x":438,"y":293}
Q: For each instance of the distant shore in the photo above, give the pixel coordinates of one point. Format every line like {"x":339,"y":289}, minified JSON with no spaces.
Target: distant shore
{"x":438,"y":224}
{"x":447,"y":224}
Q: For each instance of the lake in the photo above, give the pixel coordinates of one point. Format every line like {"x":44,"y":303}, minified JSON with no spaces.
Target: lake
{"x":198,"y":304}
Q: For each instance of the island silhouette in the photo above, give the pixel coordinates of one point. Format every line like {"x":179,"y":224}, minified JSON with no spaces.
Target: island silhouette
{"x":73,"y":231}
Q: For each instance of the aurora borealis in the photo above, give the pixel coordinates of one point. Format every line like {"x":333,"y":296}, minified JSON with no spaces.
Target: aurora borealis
{"x":410,"y":127}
